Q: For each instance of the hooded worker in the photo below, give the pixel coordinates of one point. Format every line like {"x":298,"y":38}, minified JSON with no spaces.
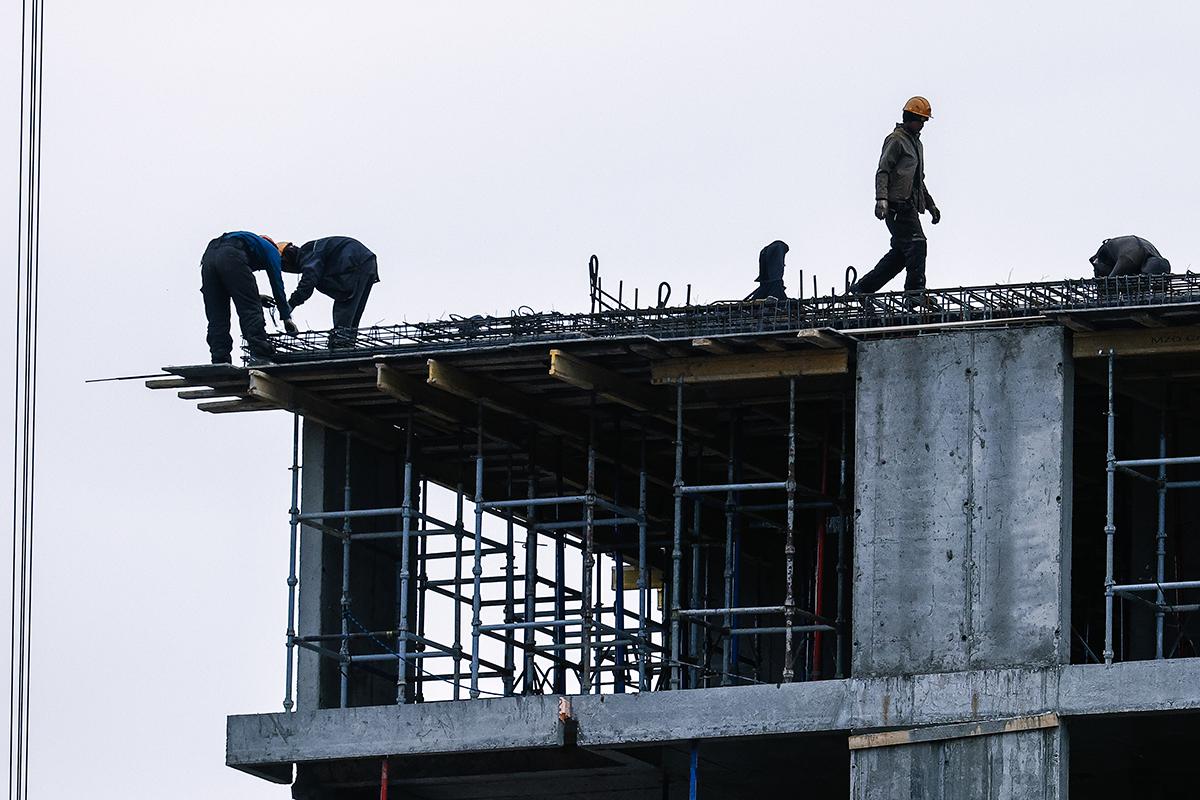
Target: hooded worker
{"x":1128,"y":255}
{"x":227,"y":274}
{"x":901,"y":196}
{"x":770,"y":272}
{"x":338,"y":267}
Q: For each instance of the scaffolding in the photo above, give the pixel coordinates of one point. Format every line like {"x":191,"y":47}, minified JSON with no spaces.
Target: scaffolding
{"x":558,"y":632}
{"x":1159,"y":468}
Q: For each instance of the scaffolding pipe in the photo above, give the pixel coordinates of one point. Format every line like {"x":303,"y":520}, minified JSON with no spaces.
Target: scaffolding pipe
{"x":422,"y":582}
{"x":559,"y":676}
{"x":510,"y":569}
{"x":1124,"y":588}
{"x":642,"y":584}
{"x":727,"y":576}
{"x":789,"y":548}
{"x":734,"y":487}
{"x":344,"y":652}
{"x":477,"y":565}
{"x":292,"y":580}
{"x":694,"y":598}
{"x":1160,"y":461}
{"x":1161,"y":537}
{"x":402,"y":588}
{"x":819,"y":572}
{"x":531,"y":506}
{"x":839,"y":658}
{"x":1110,"y":528}
{"x":458,"y":553}
{"x":589,"y":560}
{"x":677,"y":546}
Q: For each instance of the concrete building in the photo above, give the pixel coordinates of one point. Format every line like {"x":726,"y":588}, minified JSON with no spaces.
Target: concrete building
{"x":825,"y":548}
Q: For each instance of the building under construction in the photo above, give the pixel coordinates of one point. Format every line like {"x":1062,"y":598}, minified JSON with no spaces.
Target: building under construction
{"x":827,"y":547}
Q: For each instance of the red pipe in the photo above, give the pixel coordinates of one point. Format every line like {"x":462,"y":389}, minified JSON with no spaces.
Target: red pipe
{"x":819,"y":579}
{"x":383,"y":780}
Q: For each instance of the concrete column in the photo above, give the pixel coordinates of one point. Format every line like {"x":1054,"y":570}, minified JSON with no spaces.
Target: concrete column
{"x":312,"y":499}
{"x":962,"y":542}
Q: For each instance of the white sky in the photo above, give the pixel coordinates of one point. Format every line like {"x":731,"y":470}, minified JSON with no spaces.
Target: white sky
{"x":483,"y":151}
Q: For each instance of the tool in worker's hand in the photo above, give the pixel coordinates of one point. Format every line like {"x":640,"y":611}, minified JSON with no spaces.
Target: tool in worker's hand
{"x":266,"y":300}
{"x":290,"y":327}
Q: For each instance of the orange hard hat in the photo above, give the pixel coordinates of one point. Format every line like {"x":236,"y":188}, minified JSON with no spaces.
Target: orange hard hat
{"x":920,"y":106}
{"x":281,"y":246}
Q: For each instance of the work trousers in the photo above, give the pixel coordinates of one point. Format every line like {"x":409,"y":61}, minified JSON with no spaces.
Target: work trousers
{"x":909,"y":248}
{"x":347,"y":312}
{"x":225,"y":276}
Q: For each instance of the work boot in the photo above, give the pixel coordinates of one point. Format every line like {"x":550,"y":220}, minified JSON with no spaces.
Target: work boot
{"x":919,"y":301}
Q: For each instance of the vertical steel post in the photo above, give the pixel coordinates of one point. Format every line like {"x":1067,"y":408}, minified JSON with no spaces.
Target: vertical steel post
{"x":477,"y":566}
{"x":694,"y":770}
{"x":531,"y":545}
{"x":1161,"y":538}
{"x":789,"y":547}
{"x":403,"y":582}
{"x":730,"y":505}
{"x":510,"y":590}
{"x":589,"y":561}
{"x":344,"y":649}
{"x":1110,"y":528}
{"x":559,"y":636}
{"x":292,"y":580}
{"x":677,"y":546}
{"x":818,"y":606}
{"x":422,"y":584}
{"x":642,"y":583}
{"x":459,"y":532}
{"x":694,"y":598}
{"x":843,"y":520}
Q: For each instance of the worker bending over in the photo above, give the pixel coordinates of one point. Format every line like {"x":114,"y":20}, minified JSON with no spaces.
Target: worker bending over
{"x":1128,"y":255}
{"x":339,"y":267}
{"x":227,"y":273}
{"x":901,"y":196}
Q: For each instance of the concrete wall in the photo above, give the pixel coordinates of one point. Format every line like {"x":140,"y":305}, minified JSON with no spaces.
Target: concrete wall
{"x":962,"y":495}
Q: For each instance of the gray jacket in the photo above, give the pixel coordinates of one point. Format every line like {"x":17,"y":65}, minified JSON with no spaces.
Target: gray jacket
{"x":901,"y":174}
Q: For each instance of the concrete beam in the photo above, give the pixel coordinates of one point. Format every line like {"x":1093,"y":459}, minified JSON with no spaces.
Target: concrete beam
{"x":839,"y":706}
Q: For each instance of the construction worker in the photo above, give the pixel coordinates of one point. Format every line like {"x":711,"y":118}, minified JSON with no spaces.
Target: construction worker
{"x":900,"y":198}
{"x":227,"y":273}
{"x":339,"y":267}
{"x":770,"y":272}
{"x":1128,"y":255}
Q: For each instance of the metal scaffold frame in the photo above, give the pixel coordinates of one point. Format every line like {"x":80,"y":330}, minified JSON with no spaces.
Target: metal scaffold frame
{"x":1133,"y":468}
{"x":571,"y":639}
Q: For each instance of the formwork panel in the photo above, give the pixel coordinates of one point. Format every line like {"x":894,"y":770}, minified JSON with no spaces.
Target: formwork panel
{"x":961,"y":537}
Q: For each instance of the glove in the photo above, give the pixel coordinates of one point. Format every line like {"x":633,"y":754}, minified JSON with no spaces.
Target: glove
{"x":935,"y":215}
{"x":881,"y":209}
{"x":290,"y":327}
{"x":266,"y":300}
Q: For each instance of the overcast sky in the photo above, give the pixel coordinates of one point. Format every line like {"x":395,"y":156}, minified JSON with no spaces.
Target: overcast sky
{"x":483,"y":151}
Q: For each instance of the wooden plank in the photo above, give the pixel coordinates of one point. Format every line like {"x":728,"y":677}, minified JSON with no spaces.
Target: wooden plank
{"x":446,"y":407}
{"x":608,"y":384}
{"x":168,"y":383}
{"x":751,"y":366}
{"x":1137,"y":342}
{"x":205,"y":394}
{"x":961,"y":730}
{"x":233,"y":406}
{"x":283,"y":395}
{"x":714,"y":346}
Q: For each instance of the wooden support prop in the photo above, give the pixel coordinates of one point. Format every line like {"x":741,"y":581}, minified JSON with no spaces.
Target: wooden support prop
{"x":962,"y":730}
{"x":751,"y":366}
{"x":604,"y":382}
{"x":280,"y":394}
{"x":1137,"y":342}
{"x":501,"y":397}
{"x":233,"y":406}
{"x":715,"y":346}
{"x":410,"y":389}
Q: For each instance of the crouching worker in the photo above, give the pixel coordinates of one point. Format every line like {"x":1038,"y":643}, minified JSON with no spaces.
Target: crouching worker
{"x":340,"y":268}
{"x":227,"y":274}
{"x":1128,"y":255}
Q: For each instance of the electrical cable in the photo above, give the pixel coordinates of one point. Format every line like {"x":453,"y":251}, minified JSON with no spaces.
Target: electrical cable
{"x":25,"y":393}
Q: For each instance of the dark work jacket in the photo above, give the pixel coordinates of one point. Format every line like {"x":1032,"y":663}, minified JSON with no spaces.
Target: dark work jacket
{"x":333,"y":266}
{"x":1123,"y":255}
{"x":901,"y":174}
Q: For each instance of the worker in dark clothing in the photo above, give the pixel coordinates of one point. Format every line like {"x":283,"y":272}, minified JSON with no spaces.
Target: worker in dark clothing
{"x":1128,"y":255}
{"x":227,"y":273}
{"x":901,"y":196}
{"x":770,"y":272}
{"x":337,"y":266}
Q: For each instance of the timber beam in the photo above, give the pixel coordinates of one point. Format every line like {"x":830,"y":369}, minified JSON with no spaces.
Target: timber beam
{"x":281,"y":394}
{"x":503,"y":398}
{"x":604,"y":382}
{"x":751,"y":366}
{"x":1137,"y":342}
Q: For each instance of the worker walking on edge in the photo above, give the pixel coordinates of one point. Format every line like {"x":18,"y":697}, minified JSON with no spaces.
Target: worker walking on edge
{"x":901,"y":196}
{"x":339,"y":267}
{"x":227,"y":273}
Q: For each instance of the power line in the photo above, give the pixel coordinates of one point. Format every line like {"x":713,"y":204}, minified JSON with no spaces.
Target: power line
{"x":25,"y":393}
